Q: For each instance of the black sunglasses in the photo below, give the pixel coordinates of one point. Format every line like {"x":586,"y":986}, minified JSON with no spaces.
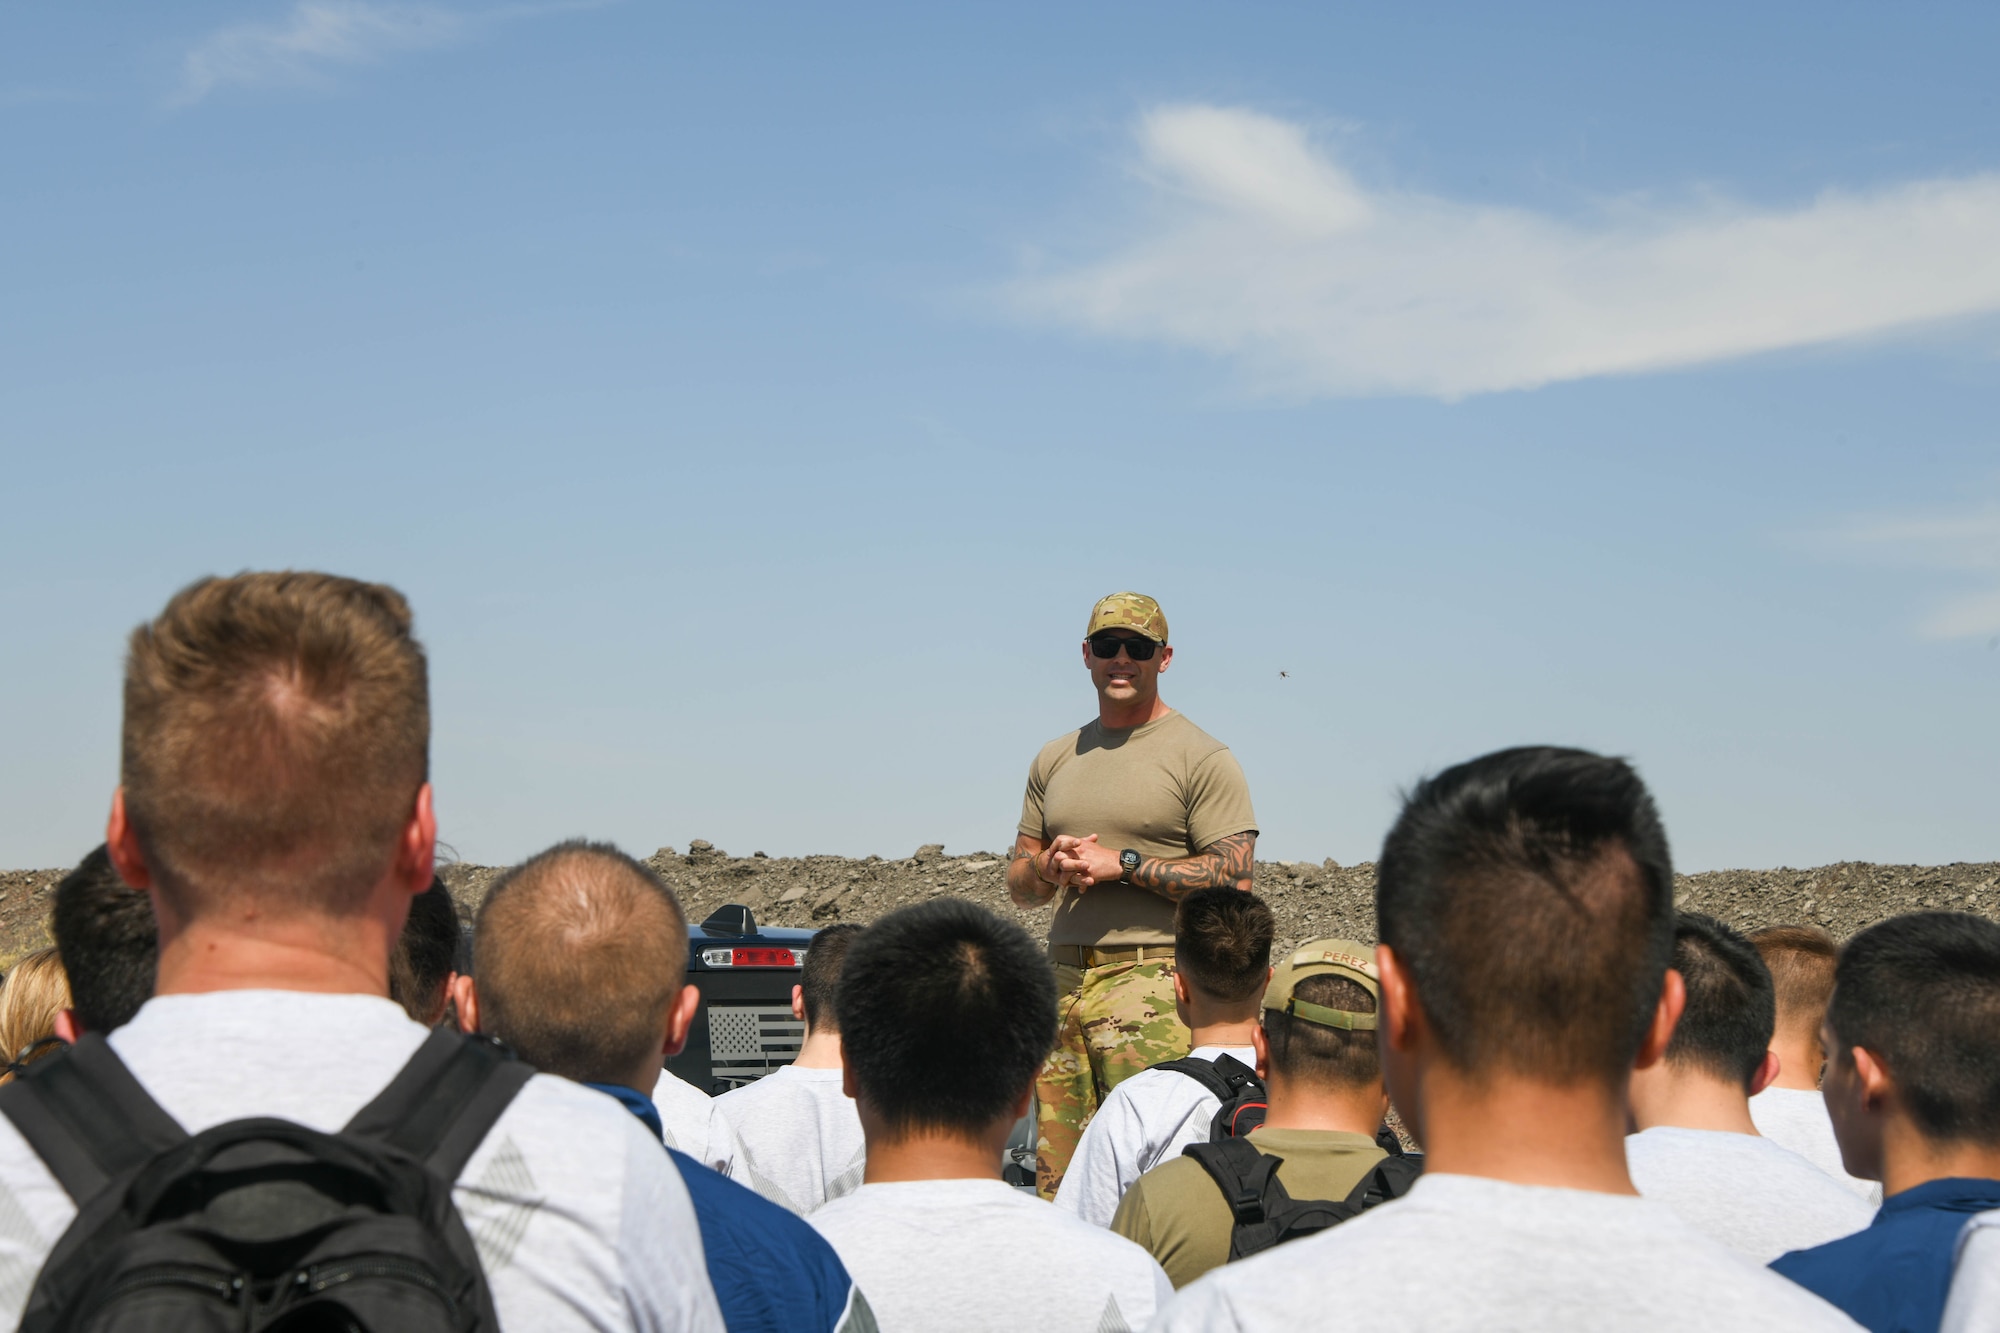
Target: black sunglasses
{"x":1106,"y":646}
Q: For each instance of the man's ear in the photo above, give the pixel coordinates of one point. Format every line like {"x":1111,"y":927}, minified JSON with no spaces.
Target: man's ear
{"x":1166,"y":656}
{"x":1401,"y":1018}
{"x":1878,"y":1088}
{"x":1180,"y":988}
{"x":680,"y":1017}
{"x":799,"y":1003}
{"x":1666,"y":1015}
{"x":1262,"y":1045}
{"x":67,"y":1027}
{"x":849,"y":1086}
{"x":465,"y":1002}
{"x":1025,"y":1103}
{"x":121,"y":840}
{"x":416,"y":847}
{"x":1767,"y":1073}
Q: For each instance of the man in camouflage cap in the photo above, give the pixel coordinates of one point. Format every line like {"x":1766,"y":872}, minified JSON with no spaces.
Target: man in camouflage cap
{"x":1122,"y":818}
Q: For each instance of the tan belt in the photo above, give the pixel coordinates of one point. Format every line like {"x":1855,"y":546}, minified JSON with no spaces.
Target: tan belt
{"x":1083,"y":955}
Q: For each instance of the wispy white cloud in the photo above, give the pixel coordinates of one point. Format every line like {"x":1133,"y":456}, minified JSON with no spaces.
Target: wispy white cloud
{"x":317,"y":36}
{"x":1964,"y":545}
{"x":1261,"y":247}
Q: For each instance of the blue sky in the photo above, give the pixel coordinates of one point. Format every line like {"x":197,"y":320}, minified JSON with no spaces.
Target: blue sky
{"x":753,"y":400}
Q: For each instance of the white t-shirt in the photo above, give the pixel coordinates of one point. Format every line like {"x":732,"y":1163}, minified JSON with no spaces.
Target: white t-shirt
{"x":581,"y":1222}
{"x":1468,"y":1253}
{"x":1148,"y":1118}
{"x":1757,"y":1198}
{"x":1974,"y":1306}
{"x":694,"y":1123}
{"x":974,"y":1255}
{"x":798,"y":1137}
{"x":1795,"y":1118}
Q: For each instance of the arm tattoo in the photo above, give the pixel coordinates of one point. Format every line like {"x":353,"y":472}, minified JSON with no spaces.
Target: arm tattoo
{"x":1220,"y":865}
{"x":1025,"y":884}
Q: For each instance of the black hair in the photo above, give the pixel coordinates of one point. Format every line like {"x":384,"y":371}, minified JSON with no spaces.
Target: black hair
{"x":1316,"y":1054}
{"x":1732,"y":1007}
{"x":109,"y":943}
{"x":425,"y":953}
{"x":1222,"y":943}
{"x":819,"y":979}
{"x":1530,"y":895}
{"x":1921,"y":993}
{"x":946,"y":1014}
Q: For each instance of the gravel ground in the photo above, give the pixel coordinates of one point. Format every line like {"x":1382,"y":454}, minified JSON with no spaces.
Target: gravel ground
{"x":1311,"y":899}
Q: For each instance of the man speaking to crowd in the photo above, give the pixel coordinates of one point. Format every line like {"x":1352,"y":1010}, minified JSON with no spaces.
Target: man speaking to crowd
{"x":1123,"y":817}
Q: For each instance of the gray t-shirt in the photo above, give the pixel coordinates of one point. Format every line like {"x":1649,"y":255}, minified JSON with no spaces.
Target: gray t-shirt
{"x":1487,"y":1256}
{"x":1974,"y":1306}
{"x":978,"y":1255}
{"x":580,"y":1220}
{"x":798,"y":1137}
{"x":691,"y":1121}
{"x":1795,"y":1118}
{"x":1743,"y":1190}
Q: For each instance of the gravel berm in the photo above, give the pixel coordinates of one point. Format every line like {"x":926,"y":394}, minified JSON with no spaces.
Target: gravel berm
{"x":1311,"y":898}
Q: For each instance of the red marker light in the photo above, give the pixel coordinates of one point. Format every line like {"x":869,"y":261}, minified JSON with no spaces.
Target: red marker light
{"x":762,"y":958}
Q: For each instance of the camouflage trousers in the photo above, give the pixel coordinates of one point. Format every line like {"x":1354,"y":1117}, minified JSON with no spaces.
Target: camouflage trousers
{"x":1116,"y":1020}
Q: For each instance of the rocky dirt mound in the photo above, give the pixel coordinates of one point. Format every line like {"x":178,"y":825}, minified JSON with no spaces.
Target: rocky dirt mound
{"x":1311,"y":898}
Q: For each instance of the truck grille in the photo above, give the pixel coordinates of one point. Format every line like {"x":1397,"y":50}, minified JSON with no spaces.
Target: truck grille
{"x":749,"y":1041}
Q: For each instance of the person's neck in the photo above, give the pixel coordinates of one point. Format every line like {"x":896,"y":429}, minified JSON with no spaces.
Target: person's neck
{"x":1117,"y":715}
{"x":1799,"y":1059}
{"x":1328,"y":1110}
{"x":1682,"y":1099}
{"x":1504,"y":1127}
{"x":932,"y":1154}
{"x":1909,"y":1159}
{"x":820,"y":1050}
{"x":1207,"y":1030}
{"x":247,"y":950}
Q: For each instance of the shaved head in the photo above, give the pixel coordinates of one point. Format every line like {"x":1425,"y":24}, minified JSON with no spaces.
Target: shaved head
{"x":579,"y":954}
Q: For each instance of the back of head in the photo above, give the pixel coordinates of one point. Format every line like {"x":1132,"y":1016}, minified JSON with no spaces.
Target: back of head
{"x":1222,"y":944}
{"x":426,"y":954}
{"x":1726,"y":1027}
{"x":946,"y":1014}
{"x":1529,"y":895}
{"x":819,"y":979}
{"x":109,"y":942}
{"x":276,"y":732}
{"x":1320,"y":1017}
{"x":580,"y":952}
{"x":1801,"y":960}
{"x":36,"y":990}
{"x":1921,"y":993}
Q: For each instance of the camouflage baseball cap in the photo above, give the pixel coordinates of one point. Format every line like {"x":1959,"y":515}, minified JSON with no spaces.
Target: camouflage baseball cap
{"x":1129,"y":610}
{"x":1321,"y":958}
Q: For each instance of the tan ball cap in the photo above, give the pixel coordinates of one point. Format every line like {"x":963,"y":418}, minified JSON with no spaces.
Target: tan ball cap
{"x":1129,"y":610}
{"x":1318,"y":958}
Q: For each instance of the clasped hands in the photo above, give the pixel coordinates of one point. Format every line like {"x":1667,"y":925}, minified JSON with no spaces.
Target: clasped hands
{"x":1080,"y":862}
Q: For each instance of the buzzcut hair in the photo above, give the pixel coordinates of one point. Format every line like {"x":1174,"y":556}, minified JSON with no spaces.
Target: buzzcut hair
{"x":1921,"y":992}
{"x":579,"y":953}
{"x":946,"y":1014}
{"x":276,"y":732}
{"x":1222,"y":943}
{"x":1529,"y":893}
{"x":819,"y":979}
{"x":426,"y":954}
{"x":1731,"y":1012}
{"x":1316,"y":1054}
{"x":109,"y":943}
{"x":1801,"y":959}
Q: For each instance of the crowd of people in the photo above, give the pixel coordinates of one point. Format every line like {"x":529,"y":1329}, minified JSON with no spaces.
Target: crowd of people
{"x":276,"y":1086}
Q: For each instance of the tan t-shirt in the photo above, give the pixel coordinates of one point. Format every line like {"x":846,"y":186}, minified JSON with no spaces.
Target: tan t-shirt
{"x":1165,"y":789}
{"x":1177,"y":1211}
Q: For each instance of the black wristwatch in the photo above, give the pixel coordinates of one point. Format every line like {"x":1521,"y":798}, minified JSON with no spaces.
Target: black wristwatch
{"x":1130,"y":860}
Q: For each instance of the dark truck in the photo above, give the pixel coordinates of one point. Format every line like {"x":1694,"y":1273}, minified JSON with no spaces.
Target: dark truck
{"x":744,"y":1028}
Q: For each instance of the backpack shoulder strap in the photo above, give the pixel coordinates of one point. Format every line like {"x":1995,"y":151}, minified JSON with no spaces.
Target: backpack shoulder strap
{"x":1390,"y":1179}
{"x":87,"y":1117}
{"x":440,"y":1107}
{"x":1241,"y":1172}
{"x":1203,"y":1072}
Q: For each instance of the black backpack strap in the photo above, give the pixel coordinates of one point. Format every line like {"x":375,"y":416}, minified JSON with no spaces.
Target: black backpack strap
{"x":1241,"y":1172}
{"x":440,"y":1107}
{"x":1203,"y":1072}
{"x":87,"y":1118}
{"x":1391,"y":1179}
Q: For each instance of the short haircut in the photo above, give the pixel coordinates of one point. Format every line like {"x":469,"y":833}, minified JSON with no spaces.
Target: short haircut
{"x":1315,"y":1054}
{"x":1222,"y":943}
{"x":1801,"y":959}
{"x":276,"y":733}
{"x":819,"y":979}
{"x":422,"y":964}
{"x":109,"y":942}
{"x":1725,"y":1030}
{"x":946,"y":1014}
{"x":35,"y":991}
{"x":580,"y":951}
{"x":1529,"y":894}
{"x":1921,"y":993}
